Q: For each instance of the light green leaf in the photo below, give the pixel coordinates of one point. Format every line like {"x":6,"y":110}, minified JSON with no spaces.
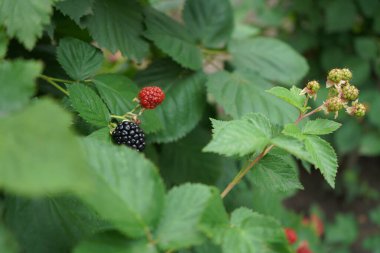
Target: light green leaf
{"x":274,"y":173}
{"x":184,"y":207}
{"x":49,"y":225}
{"x":240,"y":93}
{"x":39,"y":154}
{"x":79,"y":59}
{"x":211,"y":22}
{"x":112,"y":242}
{"x":324,"y":157}
{"x":182,"y":108}
{"x":344,"y":230}
{"x":293,"y":146}
{"x":291,"y":96}
{"x":88,"y":104}
{"x":172,"y":38}
{"x":118,"y":25}
{"x":3,"y":43}
{"x":271,"y":58}
{"x":17,"y":84}
{"x":118,"y":93}
{"x":7,"y":242}
{"x":320,"y":127}
{"x":183,"y":161}
{"x":25,"y":20}
{"x":128,"y":192}
{"x":240,"y":137}
{"x":293,"y":130}
{"x":75,"y":9}
{"x":253,"y":233}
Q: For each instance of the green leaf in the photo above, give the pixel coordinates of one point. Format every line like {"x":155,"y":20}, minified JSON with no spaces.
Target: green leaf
{"x":75,"y":9}
{"x":338,"y":21}
{"x":271,"y":58}
{"x":275,"y":173}
{"x":184,"y":161}
{"x":240,"y":137}
{"x":128,"y":191}
{"x":366,"y":47}
{"x":39,"y":154}
{"x":184,"y":207}
{"x":3,"y":43}
{"x":320,"y":127}
{"x":293,"y":130}
{"x":291,"y":96}
{"x":372,"y":244}
{"x":211,"y":22}
{"x":88,"y":104}
{"x":375,"y":215}
{"x":240,"y":93}
{"x":293,"y":146}
{"x":253,"y":233}
{"x":324,"y":157}
{"x":7,"y":242}
{"x":343,"y":230}
{"x":172,"y":38}
{"x":50,"y":224}
{"x":25,"y":20}
{"x":118,"y":25}
{"x":17,"y":84}
{"x":111,"y":242}
{"x":182,"y":108}
{"x":118,"y":92}
{"x":370,"y":144}
{"x":79,"y":59}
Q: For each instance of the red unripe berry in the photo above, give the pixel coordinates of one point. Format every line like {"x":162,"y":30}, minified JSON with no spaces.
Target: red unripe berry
{"x":317,"y":224}
{"x":291,"y":235}
{"x":150,"y":97}
{"x":304,"y":248}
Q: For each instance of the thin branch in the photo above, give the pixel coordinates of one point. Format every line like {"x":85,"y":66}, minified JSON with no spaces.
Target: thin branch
{"x":50,"y":81}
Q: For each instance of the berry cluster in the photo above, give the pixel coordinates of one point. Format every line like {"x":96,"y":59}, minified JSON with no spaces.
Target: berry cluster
{"x":130,"y":134}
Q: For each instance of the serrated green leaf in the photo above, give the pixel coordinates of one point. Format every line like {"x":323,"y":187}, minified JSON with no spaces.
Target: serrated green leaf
{"x":184,"y":207}
{"x":89,"y":105}
{"x":17,"y":84}
{"x":183,"y":161}
{"x":50,"y":224}
{"x":112,"y":242}
{"x":320,"y":127}
{"x":172,"y":38}
{"x":7,"y":242}
{"x":25,"y":20}
{"x":293,"y":146}
{"x":240,"y":93}
{"x":129,"y":192}
{"x":79,"y":59}
{"x":240,"y":137}
{"x":39,"y":154}
{"x":271,"y":58}
{"x":182,"y":108}
{"x":211,"y":22}
{"x":253,"y":233}
{"x":291,"y":96}
{"x":324,"y":157}
{"x":118,"y":93}
{"x":118,"y":25}
{"x":274,"y":173}
{"x":293,"y":130}
{"x":75,"y":9}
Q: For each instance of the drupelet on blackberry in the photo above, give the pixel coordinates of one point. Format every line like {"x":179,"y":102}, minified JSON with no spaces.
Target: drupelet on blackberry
{"x":130,"y":134}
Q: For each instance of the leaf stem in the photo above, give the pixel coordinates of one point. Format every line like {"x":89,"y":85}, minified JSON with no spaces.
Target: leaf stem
{"x":52,"y":82}
{"x":117,"y":116}
{"x":56,"y":79}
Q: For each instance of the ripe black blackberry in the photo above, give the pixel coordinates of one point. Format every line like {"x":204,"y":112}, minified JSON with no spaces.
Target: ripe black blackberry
{"x":130,"y":134}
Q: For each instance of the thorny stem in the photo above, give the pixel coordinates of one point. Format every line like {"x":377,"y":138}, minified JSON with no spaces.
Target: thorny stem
{"x":52,"y":82}
{"x":246,"y":169}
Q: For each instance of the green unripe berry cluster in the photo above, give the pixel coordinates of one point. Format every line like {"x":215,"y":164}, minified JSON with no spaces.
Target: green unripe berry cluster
{"x":350,"y":92}
{"x":337,"y":75}
{"x":334,"y":104}
{"x":313,"y":87}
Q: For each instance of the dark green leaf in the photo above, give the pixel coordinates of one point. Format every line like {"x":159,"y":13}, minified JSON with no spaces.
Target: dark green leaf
{"x":338,"y":21}
{"x":79,"y":59}
{"x":75,"y":9}
{"x":7,"y":242}
{"x":88,"y":104}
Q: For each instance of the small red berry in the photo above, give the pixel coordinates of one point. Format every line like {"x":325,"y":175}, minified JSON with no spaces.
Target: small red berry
{"x":291,"y":235}
{"x":304,"y":248}
{"x":150,"y":97}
